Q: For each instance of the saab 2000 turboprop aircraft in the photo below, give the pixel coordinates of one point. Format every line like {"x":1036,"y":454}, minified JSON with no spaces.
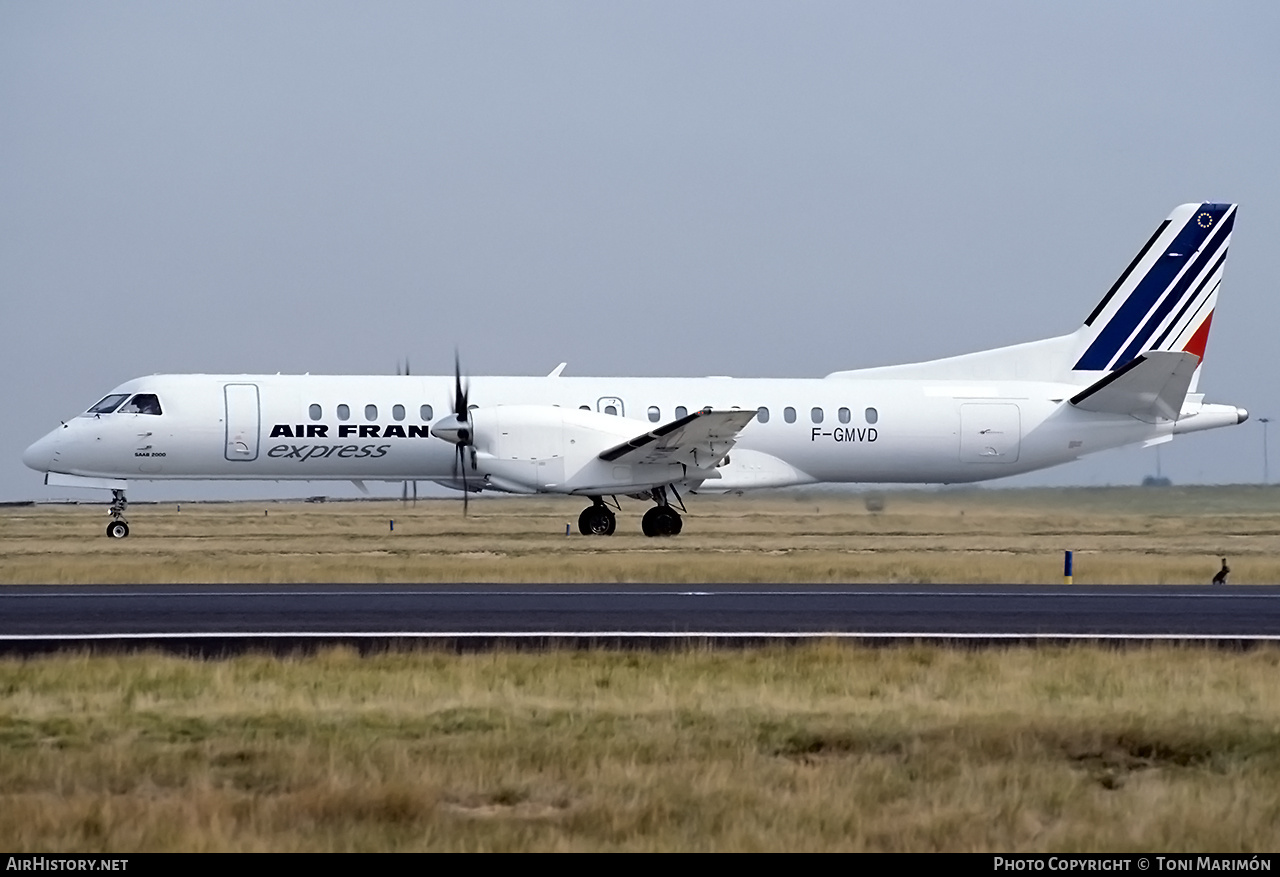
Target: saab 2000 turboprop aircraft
{"x":1129,"y":374}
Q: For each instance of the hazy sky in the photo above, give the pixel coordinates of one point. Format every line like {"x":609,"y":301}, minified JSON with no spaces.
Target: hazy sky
{"x":754,"y":189}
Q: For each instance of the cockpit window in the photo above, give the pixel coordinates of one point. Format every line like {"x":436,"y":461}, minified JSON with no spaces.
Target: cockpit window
{"x":143,"y":403}
{"x":109,"y":404}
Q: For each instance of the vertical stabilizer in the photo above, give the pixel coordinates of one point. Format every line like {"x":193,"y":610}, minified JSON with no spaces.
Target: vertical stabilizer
{"x":1165,"y":299}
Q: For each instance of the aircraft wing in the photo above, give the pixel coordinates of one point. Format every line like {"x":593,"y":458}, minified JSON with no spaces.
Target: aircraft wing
{"x":1151,"y":387}
{"x":699,"y":441}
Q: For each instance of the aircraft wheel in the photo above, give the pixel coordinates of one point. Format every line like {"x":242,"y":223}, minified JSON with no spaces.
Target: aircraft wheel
{"x":117,"y":529}
{"x":597,"y":520}
{"x":661,"y":521}
{"x":648,"y":524}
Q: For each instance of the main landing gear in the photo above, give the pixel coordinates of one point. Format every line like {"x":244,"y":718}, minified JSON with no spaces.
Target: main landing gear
{"x":119,"y":527}
{"x":662,"y":520}
{"x":598,"y":519}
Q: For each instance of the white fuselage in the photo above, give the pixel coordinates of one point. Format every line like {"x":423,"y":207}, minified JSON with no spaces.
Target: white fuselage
{"x":836,"y":429}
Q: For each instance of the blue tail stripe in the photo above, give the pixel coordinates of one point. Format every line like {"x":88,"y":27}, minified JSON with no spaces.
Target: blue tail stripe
{"x":1142,"y":254}
{"x":1177,"y":320}
{"x":1157,"y":279}
{"x":1176,"y":294}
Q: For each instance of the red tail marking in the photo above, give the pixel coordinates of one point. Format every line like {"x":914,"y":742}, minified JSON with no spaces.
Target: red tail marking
{"x":1198,"y":340}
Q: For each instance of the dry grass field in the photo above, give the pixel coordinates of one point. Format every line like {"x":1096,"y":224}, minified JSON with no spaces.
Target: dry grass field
{"x":1119,"y":535}
{"x":813,"y":747}
{"x":808,"y":747}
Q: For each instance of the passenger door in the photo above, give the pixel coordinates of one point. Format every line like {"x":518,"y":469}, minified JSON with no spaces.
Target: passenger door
{"x":243,"y":420}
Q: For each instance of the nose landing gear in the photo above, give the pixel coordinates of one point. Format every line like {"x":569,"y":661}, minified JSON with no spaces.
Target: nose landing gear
{"x":119,"y":527}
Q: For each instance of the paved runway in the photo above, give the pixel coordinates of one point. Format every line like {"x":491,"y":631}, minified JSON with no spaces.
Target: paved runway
{"x":68,"y":614}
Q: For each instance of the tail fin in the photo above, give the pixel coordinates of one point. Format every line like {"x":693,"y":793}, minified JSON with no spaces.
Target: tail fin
{"x":1165,"y":299}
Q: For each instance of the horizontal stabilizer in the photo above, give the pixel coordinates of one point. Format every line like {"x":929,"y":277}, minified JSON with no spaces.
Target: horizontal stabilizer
{"x":1152,"y":387}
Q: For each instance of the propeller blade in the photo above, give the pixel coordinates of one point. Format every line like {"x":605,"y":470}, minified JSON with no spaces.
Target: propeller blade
{"x":459,"y":461}
{"x":461,"y":412}
{"x":459,"y":391}
{"x":415,"y":494}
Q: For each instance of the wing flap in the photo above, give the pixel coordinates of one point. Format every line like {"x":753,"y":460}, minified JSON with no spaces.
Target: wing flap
{"x":1152,"y":387}
{"x":700,"y":440}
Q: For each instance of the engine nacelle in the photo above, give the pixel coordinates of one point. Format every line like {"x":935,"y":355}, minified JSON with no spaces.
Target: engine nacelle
{"x":547,"y":449}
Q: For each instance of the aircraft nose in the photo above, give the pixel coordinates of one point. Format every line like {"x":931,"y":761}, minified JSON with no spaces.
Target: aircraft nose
{"x":40,"y":455}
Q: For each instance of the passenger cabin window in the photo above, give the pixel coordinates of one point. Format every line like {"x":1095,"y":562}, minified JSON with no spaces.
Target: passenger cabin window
{"x":681,"y":411}
{"x":397,"y":412}
{"x":584,"y":407}
{"x":816,"y":414}
{"x":109,"y":404}
{"x":872,"y":415}
{"x":425,"y":412}
{"x":610,"y":409}
{"x":763,"y":415}
{"x":789,"y":414}
{"x":844,"y":415}
{"x":314,"y":412}
{"x":371,"y":412}
{"x":344,"y":413}
{"x":143,"y":403}
{"x":654,"y":414}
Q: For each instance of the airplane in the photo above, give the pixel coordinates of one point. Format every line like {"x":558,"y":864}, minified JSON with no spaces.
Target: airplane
{"x":1128,"y":375}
